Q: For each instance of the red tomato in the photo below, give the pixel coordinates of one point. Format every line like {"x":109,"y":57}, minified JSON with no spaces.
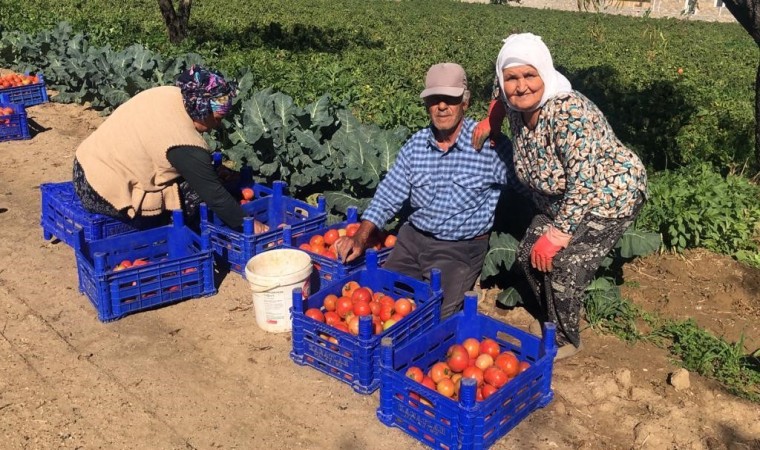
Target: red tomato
{"x":247,"y":193}
{"x":361,"y":308}
{"x":305,"y":247}
{"x":341,"y":326}
{"x":330,"y":301}
{"x":428,"y":382}
{"x":139,"y":262}
{"x":475,"y":373}
{"x":387,"y":301}
{"x":385,"y":312}
{"x":473,"y":347}
{"x":315,"y":314}
{"x":415,"y":373}
{"x":403,"y":306}
{"x":458,"y":361}
{"x":352,"y":228}
{"x":353,"y":325}
{"x":523,"y":366}
{"x":375,"y":307}
{"x":349,"y":288}
{"x":487,"y":390}
{"x":343,"y":306}
{"x":331,"y":236}
{"x":377,"y":324}
{"x":484,"y":361}
{"x":490,"y":347}
{"x":317,"y":241}
{"x":439,"y":371}
{"x":507,"y":361}
{"x":362,"y":294}
{"x":495,"y":377}
{"x":445,"y":387}
{"x":457,"y":348}
{"x":331,"y":318}
{"x":126,"y":263}
{"x":390,"y":241}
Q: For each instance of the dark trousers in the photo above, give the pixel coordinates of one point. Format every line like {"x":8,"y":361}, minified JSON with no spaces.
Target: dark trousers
{"x":460,"y":262}
{"x":561,"y":292}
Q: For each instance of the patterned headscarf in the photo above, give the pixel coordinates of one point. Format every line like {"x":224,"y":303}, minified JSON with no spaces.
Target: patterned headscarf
{"x":529,"y":49}
{"x":205,"y":91}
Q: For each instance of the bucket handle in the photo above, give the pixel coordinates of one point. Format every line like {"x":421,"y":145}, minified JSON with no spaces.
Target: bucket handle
{"x":269,"y":288}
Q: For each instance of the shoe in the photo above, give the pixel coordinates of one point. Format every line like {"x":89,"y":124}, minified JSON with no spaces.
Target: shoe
{"x":535,"y":328}
{"x":567,"y":350}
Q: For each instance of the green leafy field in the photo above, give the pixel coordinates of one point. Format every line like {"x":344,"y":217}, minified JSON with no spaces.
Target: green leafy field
{"x":373,"y":56}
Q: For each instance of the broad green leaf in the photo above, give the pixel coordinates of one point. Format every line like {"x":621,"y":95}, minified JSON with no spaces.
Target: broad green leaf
{"x":509,"y":297}
{"x":340,"y":201}
{"x":638,"y":243}
{"x":501,"y":254}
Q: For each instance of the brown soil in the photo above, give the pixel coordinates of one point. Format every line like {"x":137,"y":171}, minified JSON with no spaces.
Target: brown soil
{"x":200,"y":374}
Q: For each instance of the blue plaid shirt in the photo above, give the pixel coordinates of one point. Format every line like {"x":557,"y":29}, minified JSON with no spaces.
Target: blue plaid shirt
{"x":453,"y":194}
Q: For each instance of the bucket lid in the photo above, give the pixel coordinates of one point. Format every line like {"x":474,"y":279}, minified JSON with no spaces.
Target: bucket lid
{"x":278,"y":262}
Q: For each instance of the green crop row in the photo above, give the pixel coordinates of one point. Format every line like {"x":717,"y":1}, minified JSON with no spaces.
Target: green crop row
{"x":372,"y":56}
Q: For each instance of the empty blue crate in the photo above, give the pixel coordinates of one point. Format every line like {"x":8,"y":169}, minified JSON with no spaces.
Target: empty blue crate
{"x":175,"y":264}
{"x":29,"y":95}
{"x":355,"y":359}
{"x":63,"y":216}
{"x":331,"y":269}
{"x":271,"y":207}
{"x":444,"y":423}
{"x":13,"y":122}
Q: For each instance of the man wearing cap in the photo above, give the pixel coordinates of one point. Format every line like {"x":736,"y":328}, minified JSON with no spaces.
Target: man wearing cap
{"x":452,"y":190}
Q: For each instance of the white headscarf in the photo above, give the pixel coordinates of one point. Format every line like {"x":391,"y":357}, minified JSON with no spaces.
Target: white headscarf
{"x":529,"y":49}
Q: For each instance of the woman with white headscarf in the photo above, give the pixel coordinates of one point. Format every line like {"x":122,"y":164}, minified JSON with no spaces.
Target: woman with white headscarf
{"x":587,"y":186}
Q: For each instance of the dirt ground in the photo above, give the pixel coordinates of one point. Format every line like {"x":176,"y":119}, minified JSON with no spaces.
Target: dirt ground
{"x":201,"y":375}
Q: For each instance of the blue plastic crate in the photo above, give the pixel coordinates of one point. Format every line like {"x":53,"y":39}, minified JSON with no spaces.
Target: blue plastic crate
{"x":355,"y":360}
{"x":329,"y":269}
{"x":29,"y":95}
{"x":13,"y":126}
{"x":466,"y":424}
{"x":270,"y":206}
{"x":63,"y":216}
{"x":180,"y":266}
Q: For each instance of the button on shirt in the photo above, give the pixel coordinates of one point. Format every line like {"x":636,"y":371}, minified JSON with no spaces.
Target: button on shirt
{"x":453,"y":193}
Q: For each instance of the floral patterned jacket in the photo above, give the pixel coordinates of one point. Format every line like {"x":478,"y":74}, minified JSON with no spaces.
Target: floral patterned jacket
{"x":573,"y":164}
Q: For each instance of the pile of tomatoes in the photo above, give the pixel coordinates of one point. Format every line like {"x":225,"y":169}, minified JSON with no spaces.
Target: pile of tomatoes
{"x":16,"y":79}
{"x":5,"y":111}
{"x":324,"y":244}
{"x":343,"y":312}
{"x":481,"y":360}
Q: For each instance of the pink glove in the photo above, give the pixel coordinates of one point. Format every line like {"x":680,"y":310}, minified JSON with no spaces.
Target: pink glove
{"x":546,"y":247}
{"x":490,"y":126}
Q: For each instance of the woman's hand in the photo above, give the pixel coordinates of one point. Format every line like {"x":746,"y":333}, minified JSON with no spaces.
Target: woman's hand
{"x":480,"y":133}
{"x":490,"y":127}
{"x":546,"y":248}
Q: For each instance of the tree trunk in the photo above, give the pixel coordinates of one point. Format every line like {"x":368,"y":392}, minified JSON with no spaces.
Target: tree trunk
{"x":747,"y":13}
{"x":176,"y":21}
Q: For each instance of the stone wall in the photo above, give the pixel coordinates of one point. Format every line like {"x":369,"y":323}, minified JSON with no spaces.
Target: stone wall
{"x":655,"y":8}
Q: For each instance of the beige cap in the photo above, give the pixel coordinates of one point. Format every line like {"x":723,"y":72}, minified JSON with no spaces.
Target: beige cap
{"x":445,"y":79}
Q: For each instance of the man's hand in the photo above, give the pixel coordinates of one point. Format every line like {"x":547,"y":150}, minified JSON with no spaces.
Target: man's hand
{"x":348,"y":248}
{"x":259,"y":227}
{"x":351,"y":247}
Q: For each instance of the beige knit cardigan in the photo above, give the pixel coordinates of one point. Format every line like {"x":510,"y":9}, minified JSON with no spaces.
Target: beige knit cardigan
{"x":124,"y":160}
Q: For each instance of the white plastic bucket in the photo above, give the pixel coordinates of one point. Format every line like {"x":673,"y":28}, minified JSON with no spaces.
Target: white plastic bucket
{"x":273,"y":275}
